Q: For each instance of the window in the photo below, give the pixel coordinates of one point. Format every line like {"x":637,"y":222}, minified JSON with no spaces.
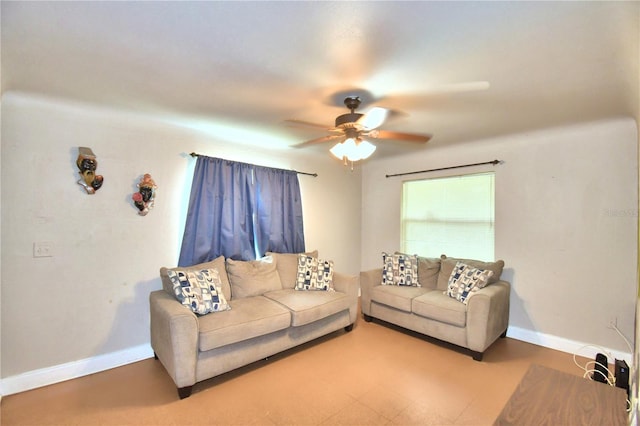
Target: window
{"x":451,"y":215}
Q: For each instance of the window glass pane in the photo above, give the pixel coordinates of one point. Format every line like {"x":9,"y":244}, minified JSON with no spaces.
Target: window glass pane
{"x":452,"y":216}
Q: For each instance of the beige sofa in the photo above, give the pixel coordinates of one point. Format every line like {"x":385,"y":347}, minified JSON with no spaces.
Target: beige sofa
{"x":267,"y":315}
{"x":429,"y":311}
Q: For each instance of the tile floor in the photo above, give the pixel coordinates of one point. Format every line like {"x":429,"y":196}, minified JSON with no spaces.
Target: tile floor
{"x":374,"y":375}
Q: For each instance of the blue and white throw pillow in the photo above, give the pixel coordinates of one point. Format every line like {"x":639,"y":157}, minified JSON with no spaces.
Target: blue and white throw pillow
{"x":464,"y":280}
{"x":314,"y":273}
{"x":200,"y":291}
{"x":400,"y":269}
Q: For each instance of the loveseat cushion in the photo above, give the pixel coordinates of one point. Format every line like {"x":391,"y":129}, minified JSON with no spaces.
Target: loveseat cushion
{"x":253,"y":277}
{"x":310,"y":306}
{"x":217,"y":263}
{"x":249,"y":317}
{"x":428,"y":269}
{"x":400,"y":269}
{"x":287,"y":266}
{"x":398,"y":297}
{"x":438,"y":306}
{"x":448,"y":263}
{"x":465,"y":280}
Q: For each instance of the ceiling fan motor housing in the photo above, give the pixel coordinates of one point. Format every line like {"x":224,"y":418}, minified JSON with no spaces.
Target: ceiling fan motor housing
{"x":351,"y":102}
{"x":350,"y":118}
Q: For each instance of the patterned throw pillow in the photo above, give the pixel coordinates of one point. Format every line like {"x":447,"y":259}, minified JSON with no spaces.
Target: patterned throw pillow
{"x":400,"y":269}
{"x":465,"y":280}
{"x":201,"y":291}
{"x":314,"y":273}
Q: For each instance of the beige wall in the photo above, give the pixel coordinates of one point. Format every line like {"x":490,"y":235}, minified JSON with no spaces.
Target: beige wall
{"x":90,"y":298}
{"x":566,"y":225}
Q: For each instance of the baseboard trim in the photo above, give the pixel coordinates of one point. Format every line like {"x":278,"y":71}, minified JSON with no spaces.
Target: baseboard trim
{"x":586,"y":350}
{"x":71,"y":370}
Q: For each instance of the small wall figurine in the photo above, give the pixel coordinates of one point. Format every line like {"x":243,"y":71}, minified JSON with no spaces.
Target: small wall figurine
{"x":144,"y":198}
{"x":88,"y":164}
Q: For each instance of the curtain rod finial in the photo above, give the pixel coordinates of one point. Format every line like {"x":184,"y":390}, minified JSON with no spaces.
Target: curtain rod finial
{"x":193,"y":154}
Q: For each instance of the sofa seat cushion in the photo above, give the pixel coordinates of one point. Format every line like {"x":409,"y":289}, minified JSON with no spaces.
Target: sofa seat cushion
{"x":398,"y":297}
{"x":438,"y":306}
{"x":249,"y":317}
{"x":309,"y":306}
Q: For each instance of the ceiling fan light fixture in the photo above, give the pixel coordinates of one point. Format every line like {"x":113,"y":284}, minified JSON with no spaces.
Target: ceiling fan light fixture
{"x":353,"y":150}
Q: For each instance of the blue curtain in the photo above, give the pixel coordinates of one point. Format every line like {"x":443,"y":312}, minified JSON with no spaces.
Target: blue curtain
{"x":279,"y":226}
{"x":240,"y":211}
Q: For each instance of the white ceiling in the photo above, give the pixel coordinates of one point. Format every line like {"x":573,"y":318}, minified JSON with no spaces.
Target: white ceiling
{"x":238,"y":69}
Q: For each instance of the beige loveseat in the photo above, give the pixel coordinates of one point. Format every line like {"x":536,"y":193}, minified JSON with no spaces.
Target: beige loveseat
{"x":428,"y":310}
{"x":266,"y":316}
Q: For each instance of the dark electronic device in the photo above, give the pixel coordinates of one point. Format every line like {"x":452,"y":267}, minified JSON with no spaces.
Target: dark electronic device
{"x":602,"y":372}
{"x":622,"y":375}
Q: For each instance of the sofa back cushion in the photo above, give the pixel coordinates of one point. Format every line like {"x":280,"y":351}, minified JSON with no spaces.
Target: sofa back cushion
{"x":253,"y":277}
{"x":217,"y":263}
{"x":449,"y":263}
{"x":428,"y":270}
{"x":287,"y":266}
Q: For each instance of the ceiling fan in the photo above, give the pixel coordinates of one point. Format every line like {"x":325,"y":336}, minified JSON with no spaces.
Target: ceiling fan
{"x":353,"y":129}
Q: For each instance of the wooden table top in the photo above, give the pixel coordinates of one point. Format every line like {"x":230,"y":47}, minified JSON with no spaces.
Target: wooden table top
{"x":546,"y":396}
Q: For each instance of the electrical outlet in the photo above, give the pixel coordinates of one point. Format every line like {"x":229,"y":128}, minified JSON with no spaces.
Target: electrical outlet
{"x":43,"y":249}
{"x":613,"y":322}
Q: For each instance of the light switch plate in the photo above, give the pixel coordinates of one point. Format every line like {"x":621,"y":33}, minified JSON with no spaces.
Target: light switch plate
{"x":43,"y":249}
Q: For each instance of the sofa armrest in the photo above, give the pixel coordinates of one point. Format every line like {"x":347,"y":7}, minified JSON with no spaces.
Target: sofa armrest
{"x":350,"y":285}
{"x":368,"y":280}
{"x":487,"y":315}
{"x":174,"y":337}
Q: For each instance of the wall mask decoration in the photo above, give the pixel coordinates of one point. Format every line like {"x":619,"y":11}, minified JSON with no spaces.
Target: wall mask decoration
{"x":88,"y":164}
{"x":145,"y":197}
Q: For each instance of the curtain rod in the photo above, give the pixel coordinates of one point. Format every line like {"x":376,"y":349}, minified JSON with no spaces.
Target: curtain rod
{"x":494,"y":162}
{"x":195,"y":154}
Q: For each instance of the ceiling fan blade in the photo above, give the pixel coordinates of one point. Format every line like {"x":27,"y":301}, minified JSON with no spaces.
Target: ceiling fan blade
{"x":319,"y":140}
{"x":308,"y":124}
{"x":399,"y":136}
{"x":374,"y":118}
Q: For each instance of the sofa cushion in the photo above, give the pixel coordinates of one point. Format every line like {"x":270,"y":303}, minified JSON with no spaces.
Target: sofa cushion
{"x":314,"y":273}
{"x":217,"y":263}
{"x":287,"y":266}
{"x":249,"y":317}
{"x":400,"y":269}
{"x":200,"y":291}
{"x":253,"y":277}
{"x":436,"y":305}
{"x":398,"y":297}
{"x":428,"y":269}
{"x":448,"y":263}
{"x":466,"y":279}
{"x":309,"y":306}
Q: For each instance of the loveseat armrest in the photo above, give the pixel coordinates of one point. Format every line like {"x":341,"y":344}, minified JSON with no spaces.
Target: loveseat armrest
{"x":174,"y":337}
{"x":487,"y":315}
{"x":349,"y":285}
{"x":368,"y":280}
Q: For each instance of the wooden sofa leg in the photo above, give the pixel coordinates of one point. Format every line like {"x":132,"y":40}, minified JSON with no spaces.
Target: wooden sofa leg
{"x":184,"y":392}
{"x":155,"y":356}
{"x":477,"y":356}
{"x":503,"y":335}
{"x":367,"y":318}
{"x":348,"y":328}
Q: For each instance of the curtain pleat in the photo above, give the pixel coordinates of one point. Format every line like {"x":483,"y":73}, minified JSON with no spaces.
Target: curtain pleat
{"x":279,"y":225}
